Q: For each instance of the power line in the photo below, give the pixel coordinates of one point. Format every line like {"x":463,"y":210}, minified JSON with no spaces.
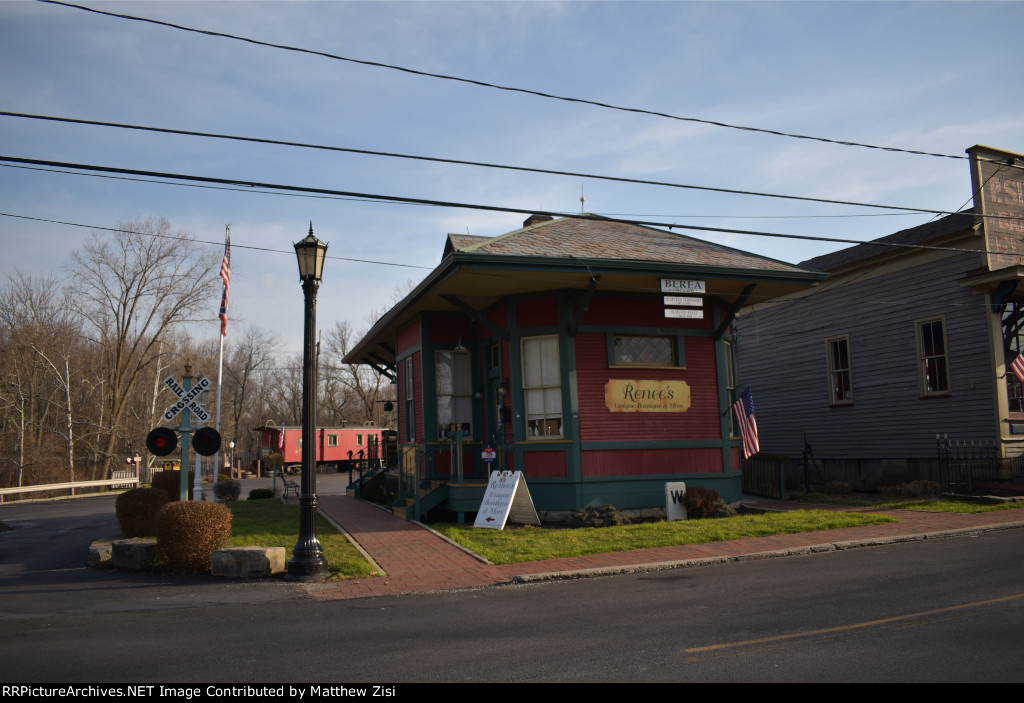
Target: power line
{"x":482,"y":164}
{"x":474,"y":206}
{"x":234,"y":245}
{"x":496,"y":86}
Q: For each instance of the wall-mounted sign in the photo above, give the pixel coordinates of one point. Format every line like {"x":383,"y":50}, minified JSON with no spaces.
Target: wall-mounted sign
{"x":684,"y":301}
{"x":647,"y":396}
{"x":999,"y":199}
{"x":684,"y":313}
{"x":680,"y":285}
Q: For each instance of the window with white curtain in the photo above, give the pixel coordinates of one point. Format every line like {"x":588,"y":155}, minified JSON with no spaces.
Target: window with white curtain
{"x":542,"y":387}
{"x":453,"y":388}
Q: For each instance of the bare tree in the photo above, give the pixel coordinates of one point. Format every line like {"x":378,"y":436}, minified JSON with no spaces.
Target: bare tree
{"x":132,"y":286}
{"x":251,"y":356}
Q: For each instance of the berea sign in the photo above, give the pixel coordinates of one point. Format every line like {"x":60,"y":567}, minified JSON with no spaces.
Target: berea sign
{"x":187,"y":399}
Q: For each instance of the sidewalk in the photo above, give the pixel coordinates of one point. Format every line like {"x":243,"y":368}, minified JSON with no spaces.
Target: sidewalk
{"x":415,"y":559}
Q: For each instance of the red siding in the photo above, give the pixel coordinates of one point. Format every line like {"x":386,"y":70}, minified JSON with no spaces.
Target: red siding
{"x":409,"y":337}
{"x":598,"y":424}
{"x":499,"y":316}
{"x":542,"y":312}
{"x":633,"y":462}
{"x":736,"y":458}
{"x":544,"y":464}
{"x":638,"y":312}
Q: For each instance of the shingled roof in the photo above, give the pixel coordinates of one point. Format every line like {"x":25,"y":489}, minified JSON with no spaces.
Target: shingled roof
{"x":949,"y":224}
{"x":596,"y":238}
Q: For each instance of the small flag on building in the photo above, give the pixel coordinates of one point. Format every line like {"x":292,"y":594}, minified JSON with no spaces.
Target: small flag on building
{"x":225,"y":275}
{"x":743,"y":409}
{"x":1018,"y":367}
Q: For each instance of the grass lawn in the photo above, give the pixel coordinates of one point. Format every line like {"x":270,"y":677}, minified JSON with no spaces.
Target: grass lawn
{"x":933,"y":505}
{"x":511,"y":546}
{"x":269,"y":523}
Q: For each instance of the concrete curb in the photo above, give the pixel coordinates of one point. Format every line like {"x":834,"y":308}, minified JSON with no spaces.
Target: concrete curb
{"x":755,"y":556}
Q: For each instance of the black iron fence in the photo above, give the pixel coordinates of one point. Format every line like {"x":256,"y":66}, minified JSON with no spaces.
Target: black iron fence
{"x":960,"y":465}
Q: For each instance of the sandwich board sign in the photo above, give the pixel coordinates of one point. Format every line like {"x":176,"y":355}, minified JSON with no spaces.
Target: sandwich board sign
{"x":506,"y":497}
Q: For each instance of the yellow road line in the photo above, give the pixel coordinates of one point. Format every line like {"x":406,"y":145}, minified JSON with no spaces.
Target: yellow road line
{"x":854,"y":626}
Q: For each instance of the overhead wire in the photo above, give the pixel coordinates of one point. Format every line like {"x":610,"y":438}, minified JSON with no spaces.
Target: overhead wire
{"x":481,"y":164}
{"x":495,"y":86}
{"x":469,"y":206}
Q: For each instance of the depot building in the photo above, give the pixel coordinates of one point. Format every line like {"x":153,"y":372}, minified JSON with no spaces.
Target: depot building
{"x":595,"y":356}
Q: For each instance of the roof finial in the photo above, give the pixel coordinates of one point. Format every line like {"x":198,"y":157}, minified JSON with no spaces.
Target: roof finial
{"x":582,"y":200}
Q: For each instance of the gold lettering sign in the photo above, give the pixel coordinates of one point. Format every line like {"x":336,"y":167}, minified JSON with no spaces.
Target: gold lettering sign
{"x":621,"y":396}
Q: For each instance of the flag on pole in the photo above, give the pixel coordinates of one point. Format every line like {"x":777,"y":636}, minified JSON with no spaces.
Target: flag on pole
{"x":743,"y":408}
{"x":1018,"y":367}
{"x":225,"y":275}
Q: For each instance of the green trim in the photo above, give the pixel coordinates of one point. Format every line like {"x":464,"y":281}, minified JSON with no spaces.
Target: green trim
{"x":648,"y":331}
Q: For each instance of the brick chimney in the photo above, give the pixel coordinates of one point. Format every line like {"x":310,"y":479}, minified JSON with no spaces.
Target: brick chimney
{"x":536,"y":220}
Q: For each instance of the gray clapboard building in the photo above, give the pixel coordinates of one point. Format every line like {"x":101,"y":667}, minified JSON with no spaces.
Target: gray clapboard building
{"x":910,"y":337}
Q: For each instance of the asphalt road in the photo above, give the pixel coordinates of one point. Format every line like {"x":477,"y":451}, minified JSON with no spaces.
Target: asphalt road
{"x":937,"y":610}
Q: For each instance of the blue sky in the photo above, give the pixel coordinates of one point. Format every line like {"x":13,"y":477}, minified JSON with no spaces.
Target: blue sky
{"x":915,"y":75}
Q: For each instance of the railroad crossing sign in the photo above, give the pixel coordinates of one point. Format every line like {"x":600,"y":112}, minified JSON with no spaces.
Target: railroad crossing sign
{"x":187,"y":399}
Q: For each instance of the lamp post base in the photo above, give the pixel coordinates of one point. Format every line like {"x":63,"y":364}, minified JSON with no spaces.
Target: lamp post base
{"x":307,"y":569}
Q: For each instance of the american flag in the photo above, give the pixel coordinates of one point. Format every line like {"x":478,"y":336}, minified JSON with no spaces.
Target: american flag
{"x":743,"y":408}
{"x":1018,"y":367}
{"x":225,"y":275}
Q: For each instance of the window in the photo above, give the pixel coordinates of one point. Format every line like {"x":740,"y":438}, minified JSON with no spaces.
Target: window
{"x":730,"y":385}
{"x":644,"y":351}
{"x":840,"y":374}
{"x":332,"y":440}
{"x":453,"y":386}
{"x":933,"y":359}
{"x":410,"y":405}
{"x":542,"y":387}
{"x":359,"y":440}
{"x":1013,"y":346}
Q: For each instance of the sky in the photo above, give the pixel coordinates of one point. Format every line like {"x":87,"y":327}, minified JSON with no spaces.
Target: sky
{"x":928,"y":76}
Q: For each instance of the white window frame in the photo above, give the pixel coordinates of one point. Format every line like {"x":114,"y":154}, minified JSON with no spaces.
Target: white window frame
{"x":934,"y":364}
{"x":836,"y":372}
{"x":542,"y":389}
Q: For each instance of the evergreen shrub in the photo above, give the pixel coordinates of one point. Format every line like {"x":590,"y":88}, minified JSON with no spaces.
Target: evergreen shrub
{"x":261,"y":494}
{"x":137,"y":510}
{"x":188,"y":533}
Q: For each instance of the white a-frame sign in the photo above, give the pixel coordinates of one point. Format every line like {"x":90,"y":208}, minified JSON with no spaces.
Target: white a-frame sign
{"x":507,"y":497}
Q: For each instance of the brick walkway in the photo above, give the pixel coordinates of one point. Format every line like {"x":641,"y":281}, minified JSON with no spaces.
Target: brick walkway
{"x":417,"y":560}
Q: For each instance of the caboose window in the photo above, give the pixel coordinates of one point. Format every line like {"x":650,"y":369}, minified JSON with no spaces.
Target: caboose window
{"x":332,"y":440}
{"x":454,"y":392}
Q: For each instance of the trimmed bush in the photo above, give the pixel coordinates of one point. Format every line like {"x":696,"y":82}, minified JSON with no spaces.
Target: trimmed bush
{"x":261,"y":494}
{"x":137,"y":510}
{"x":723,"y":509}
{"x":700,"y":502}
{"x":188,"y":533}
{"x":227,"y":489}
{"x":170,"y":482}
{"x":604,"y":516}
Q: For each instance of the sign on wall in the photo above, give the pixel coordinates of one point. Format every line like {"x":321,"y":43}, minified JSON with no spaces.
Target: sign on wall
{"x":646,"y":396}
{"x":681,"y":285}
{"x":998,"y":181}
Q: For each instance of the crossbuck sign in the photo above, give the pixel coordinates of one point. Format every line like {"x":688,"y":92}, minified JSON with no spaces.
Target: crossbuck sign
{"x":187,"y":399}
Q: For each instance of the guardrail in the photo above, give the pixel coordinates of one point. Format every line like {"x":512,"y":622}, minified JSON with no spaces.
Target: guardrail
{"x":132,"y":480}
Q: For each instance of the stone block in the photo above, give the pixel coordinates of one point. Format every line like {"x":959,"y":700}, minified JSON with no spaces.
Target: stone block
{"x":133,"y":554}
{"x":100,"y":554}
{"x":248,"y":562}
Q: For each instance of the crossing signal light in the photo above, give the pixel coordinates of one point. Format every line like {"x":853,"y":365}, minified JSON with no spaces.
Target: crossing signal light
{"x":161,"y":441}
{"x":206,"y":441}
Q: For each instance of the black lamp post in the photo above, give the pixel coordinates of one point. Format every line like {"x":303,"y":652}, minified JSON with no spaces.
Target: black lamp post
{"x":308,"y":562}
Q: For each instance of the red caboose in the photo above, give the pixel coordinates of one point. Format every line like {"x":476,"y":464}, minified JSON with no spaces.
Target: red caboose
{"x":337,"y":448}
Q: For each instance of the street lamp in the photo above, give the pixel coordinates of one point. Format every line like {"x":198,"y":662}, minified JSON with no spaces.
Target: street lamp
{"x":308,"y":562}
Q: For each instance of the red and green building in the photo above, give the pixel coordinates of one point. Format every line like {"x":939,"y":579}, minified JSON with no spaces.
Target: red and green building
{"x":593,"y":355}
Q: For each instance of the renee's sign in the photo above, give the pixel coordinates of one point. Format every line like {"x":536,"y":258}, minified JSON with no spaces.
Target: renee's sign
{"x":622,"y":396}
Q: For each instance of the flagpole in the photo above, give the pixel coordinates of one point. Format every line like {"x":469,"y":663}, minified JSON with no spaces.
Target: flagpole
{"x":225,"y":276}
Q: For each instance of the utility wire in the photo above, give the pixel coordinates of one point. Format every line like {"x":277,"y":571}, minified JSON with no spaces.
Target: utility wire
{"x":482,"y":164}
{"x":495,"y":86}
{"x":234,"y":245}
{"x":474,"y":206}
